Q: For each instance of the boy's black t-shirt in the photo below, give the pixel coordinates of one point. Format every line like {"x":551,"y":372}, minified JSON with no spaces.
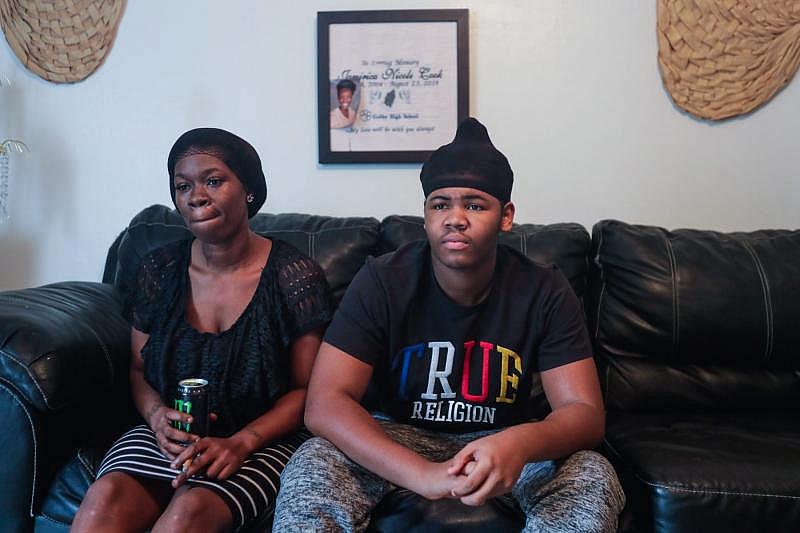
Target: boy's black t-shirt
{"x":451,"y":368}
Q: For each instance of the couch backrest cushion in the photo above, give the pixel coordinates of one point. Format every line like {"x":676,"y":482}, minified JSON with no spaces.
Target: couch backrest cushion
{"x":698,"y":319}
{"x":339,"y":244}
{"x":566,"y":244}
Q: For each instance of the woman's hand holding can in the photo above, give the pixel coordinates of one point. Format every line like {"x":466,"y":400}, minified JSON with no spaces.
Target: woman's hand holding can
{"x":171,"y":440}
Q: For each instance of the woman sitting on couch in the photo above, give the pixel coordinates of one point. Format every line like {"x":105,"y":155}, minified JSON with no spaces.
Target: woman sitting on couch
{"x":239,"y":310}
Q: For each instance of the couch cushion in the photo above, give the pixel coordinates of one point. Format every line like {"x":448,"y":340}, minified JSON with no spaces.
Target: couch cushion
{"x":67,"y":491}
{"x":149,"y":229}
{"x":709,"y":472}
{"x":566,"y":245}
{"x":403,"y":510}
{"x":692,"y":319}
{"x":339,"y":244}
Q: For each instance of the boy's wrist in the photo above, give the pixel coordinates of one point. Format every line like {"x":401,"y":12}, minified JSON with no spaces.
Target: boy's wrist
{"x":419,"y":477}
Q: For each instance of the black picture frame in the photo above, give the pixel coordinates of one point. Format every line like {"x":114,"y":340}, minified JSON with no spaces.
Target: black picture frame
{"x":407,"y":103}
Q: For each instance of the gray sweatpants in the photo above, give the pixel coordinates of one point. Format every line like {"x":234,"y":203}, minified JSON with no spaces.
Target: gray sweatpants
{"x":323,"y":490}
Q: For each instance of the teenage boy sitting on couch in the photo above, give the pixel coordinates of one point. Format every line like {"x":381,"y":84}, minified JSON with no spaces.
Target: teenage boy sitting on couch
{"x":464,"y":336}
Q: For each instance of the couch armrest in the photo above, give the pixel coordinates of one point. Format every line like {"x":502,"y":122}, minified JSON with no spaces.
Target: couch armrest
{"x":64,"y":357}
{"x":60,"y":340}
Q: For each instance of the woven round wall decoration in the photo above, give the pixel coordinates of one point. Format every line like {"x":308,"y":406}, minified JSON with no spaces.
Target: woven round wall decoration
{"x":722,"y":58}
{"x":62,"y":41}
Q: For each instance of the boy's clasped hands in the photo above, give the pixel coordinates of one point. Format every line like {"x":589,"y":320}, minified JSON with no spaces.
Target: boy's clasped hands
{"x":483,"y":469}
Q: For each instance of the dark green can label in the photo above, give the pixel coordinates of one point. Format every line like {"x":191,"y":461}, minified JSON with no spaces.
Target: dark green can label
{"x":192,"y":399}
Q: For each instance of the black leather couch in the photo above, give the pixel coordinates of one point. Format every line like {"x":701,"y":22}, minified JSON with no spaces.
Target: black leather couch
{"x":696,"y":335}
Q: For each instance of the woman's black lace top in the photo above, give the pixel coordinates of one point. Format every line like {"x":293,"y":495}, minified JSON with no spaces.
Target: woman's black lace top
{"x":248,"y":365}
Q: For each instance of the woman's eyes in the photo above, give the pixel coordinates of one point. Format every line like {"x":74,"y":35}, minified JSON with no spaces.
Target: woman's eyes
{"x":210,"y":182}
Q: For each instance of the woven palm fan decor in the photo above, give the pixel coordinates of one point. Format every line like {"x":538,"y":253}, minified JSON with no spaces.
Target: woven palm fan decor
{"x":722,"y":58}
{"x":62,"y":41}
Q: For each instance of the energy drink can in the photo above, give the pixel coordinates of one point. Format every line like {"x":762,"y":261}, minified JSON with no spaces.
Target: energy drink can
{"x":192,"y":399}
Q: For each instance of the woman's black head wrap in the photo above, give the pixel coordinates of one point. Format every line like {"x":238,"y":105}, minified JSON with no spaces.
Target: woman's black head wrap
{"x":232,"y":150}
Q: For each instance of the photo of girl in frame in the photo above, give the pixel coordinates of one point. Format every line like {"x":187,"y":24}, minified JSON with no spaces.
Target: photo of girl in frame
{"x":345,"y":98}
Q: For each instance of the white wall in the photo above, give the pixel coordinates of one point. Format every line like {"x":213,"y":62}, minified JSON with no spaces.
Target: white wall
{"x":569,"y":90}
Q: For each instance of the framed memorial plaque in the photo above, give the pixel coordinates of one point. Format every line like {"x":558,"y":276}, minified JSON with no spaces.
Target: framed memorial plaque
{"x":392,"y":85}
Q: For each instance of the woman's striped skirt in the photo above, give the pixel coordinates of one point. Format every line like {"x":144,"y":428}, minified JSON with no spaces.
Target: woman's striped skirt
{"x":249,"y":493}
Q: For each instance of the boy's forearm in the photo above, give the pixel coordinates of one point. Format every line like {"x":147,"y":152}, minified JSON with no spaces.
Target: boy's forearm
{"x":578,"y":426}
{"x":346,"y":424}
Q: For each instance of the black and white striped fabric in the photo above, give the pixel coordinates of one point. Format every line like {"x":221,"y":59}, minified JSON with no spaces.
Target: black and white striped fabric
{"x":249,"y":493}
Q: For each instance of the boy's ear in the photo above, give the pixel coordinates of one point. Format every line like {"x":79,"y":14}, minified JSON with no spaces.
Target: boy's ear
{"x":507,"y":217}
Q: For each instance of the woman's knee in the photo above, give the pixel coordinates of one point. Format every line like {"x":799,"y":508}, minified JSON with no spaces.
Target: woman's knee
{"x":195,"y":509}
{"x":116,"y":498}
{"x":111,"y":491}
{"x":102,"y":492}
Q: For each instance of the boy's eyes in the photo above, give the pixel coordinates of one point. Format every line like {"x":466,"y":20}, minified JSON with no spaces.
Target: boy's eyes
{"x":468,"y":207}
